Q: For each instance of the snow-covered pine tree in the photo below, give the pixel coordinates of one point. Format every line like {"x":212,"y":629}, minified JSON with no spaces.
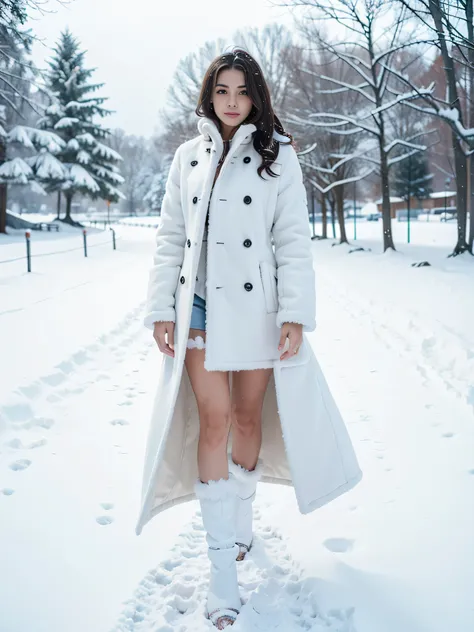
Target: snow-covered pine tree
{"x":76,"y":116}
{"x":18,"y":168}
{"x":412,"y":178}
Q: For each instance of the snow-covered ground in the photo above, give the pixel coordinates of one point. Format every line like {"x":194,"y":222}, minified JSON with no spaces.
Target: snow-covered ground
{"x":77,"y":375}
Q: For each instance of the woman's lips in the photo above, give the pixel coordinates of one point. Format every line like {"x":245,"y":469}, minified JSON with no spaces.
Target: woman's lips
{"x":233,"y":114}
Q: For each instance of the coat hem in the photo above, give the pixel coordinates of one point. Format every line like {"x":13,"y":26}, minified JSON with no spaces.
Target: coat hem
{"x":239,"y":366}
{"x":304,"y":508}
{"x":307,"y":508}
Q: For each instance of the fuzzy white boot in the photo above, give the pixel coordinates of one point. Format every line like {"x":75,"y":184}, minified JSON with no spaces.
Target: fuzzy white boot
{"x":246,"y":490}
{"x":218,"y":507}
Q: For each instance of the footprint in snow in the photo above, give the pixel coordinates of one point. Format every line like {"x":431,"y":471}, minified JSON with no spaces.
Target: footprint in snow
{"x":339,"y":545}
{"x":17,"y":444}
{"x":54,"y":379}
{"x":40,"y":422}
{"x":21,"y":464}
{"x":119,"y":422}
{"x":107,"y":506}
{"x":104,"y":520}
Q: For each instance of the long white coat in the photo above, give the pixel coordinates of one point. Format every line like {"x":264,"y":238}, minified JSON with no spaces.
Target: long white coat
{"x":259,"y":275}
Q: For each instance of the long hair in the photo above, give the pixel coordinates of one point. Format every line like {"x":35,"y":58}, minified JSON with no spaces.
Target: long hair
{"x":261,"y":114}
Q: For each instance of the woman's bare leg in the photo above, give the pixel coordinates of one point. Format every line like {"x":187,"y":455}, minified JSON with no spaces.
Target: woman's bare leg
{"x":248,"y":392}
{"x":212,"y":392}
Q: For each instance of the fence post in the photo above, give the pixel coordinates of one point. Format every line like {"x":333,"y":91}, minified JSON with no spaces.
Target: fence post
{"x":113,"y":238}
{"x":28,"y":250}
{"x":84,"y":232}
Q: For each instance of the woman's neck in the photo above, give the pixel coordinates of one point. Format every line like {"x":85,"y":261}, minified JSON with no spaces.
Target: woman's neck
{"x":228,"y":132}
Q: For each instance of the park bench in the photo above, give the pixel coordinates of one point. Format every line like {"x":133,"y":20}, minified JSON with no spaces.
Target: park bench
{"x":46,"y":226}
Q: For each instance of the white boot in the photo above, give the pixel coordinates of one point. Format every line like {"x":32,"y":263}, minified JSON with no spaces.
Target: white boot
{"x":218,"y":507}
{"x":246,"y":490}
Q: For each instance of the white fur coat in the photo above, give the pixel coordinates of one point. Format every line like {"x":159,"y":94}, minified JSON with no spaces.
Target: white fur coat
{"x":259,"y":275}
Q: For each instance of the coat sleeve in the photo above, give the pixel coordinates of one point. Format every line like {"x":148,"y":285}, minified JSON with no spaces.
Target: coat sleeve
{"x":292,"y":239}
{"x":169,"y":251}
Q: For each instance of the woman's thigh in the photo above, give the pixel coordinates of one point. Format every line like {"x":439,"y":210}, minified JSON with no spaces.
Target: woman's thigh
{"x":211,"y":388}
{"x":248,"y":391}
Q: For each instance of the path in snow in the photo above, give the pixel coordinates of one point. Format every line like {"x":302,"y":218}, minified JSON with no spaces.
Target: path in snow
{"x":275,"y":596}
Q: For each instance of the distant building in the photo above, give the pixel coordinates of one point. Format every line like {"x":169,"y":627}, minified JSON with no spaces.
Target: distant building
{"x":438,"y":199}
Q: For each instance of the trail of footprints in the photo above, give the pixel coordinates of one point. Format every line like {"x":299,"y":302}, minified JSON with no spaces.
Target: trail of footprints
{"x":171,"y":597}
{"x":68,"y":379}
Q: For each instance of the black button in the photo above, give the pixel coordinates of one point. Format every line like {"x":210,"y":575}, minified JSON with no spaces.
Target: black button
{"x":247,"y":159}
{"x":247,"y":199}
{"x":208,"y":149}
{"x":195,"y":200}
{"x":248,"y":287}
{"x":189,"y":243}
{"x":247,"y":243}
{"x":182,"y":279}
{"x":194,"y":163}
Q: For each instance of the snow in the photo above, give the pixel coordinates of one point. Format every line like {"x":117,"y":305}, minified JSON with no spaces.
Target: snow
{"x":83,"y":157}
{"x":66,"y":122}
{"x":47,"y":167}
{"x":106,"y":152}
{"x":442,"y":194}
{"x":87,"y":139}
{"x":19,"y":134}
{"x":16,"y":171}
{"x":78,"y":373}
{"x":73,"y":145}
{"x":81,"y":178}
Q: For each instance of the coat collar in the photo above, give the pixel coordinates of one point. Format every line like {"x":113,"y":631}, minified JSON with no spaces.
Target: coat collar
{"x":208,"y":128}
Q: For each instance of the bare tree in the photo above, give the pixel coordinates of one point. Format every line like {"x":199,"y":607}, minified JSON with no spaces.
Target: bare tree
{"x":452,"y":27}
{"x":272,"y":47}
{"x":368,"y":56}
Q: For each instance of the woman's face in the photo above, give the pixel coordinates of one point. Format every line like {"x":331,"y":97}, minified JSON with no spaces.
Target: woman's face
{"x":230,"y":97}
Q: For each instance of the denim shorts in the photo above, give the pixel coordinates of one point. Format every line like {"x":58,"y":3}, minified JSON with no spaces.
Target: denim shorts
{"x":198,"y":313}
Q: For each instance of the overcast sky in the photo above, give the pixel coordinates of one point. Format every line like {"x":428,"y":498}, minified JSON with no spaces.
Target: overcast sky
{"x":137,"y":44}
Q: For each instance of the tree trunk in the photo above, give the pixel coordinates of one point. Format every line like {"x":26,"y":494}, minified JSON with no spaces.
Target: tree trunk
{"x":470,"y":242}
{"x":470,"y":105}
{"x":58,"y":206}
{"x":3,"y":194}
{"x":3,"y":208}
{"x":339,"y":195}
{"x":460,"y":168}
{"x":324,"y":210}
{"x":332,"y":204}
{"x":386,"y":211}
{"x":68,"y":217}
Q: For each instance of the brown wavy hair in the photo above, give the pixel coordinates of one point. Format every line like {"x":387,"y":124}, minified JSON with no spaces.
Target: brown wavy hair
{"x":261,"y":114}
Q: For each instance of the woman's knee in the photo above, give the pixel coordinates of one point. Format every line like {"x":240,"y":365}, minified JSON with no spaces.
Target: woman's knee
{"x":214,"y":425}
{"x":246,"y":420}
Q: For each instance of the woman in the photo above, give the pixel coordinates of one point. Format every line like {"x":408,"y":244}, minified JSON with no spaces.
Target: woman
{"x":231,"y":292}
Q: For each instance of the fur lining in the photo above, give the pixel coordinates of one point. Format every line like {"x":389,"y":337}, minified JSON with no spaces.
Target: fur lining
{"x":241,"y":473}
{"x":215,"y":490}
{"x":163,"y":316}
